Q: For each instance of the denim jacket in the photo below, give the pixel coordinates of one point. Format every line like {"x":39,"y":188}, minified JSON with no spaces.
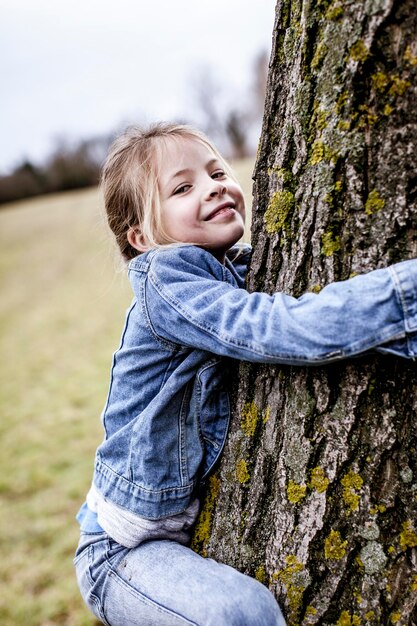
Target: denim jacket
{"x":167,"y":411}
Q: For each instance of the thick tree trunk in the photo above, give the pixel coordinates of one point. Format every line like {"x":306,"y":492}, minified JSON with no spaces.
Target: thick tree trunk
{"x":316,"y":495}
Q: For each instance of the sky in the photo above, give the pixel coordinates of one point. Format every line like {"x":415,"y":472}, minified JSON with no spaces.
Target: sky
{"x":80,"y":68}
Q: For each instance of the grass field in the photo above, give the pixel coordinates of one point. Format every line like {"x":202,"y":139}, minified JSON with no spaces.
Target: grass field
{"x":62,"y":305}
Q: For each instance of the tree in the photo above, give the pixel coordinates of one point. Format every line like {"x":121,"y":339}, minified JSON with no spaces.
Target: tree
{"x":316,"y":494}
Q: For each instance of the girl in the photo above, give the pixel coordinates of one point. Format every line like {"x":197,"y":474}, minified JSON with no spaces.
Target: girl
{"x":177,"y":213}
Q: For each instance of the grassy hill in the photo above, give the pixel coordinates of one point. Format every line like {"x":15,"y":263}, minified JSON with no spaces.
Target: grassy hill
{"x":64,"y":294}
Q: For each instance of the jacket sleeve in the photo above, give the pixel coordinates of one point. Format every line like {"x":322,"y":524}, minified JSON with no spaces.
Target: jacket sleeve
{"x":193,"y":305}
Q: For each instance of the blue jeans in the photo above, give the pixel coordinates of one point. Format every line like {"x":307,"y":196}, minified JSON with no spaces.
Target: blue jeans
{"x":163,"y":583}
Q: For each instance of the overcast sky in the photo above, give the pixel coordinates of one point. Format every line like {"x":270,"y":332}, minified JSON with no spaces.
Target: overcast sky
{"x":79,"y":68}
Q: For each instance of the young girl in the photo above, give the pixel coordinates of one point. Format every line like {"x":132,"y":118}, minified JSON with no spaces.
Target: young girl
{"x":177,"y":213}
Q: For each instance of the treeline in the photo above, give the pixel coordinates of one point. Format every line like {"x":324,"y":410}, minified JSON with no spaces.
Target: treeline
{"x":69,"y":167}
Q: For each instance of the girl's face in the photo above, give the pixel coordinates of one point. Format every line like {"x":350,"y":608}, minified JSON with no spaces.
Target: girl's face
{"x":200,"y":203}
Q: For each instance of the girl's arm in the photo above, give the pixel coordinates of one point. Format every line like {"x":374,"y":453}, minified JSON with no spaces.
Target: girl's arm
{"x":190,"y":302}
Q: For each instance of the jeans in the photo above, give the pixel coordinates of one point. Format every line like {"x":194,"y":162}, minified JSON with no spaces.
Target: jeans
{"x":163,"y":583}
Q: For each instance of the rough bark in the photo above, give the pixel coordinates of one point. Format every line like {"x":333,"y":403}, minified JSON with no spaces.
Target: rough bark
{"x":316,"y":495}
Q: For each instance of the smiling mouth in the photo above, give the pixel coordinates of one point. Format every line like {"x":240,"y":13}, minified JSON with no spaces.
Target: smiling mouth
{"x":223,"y":209}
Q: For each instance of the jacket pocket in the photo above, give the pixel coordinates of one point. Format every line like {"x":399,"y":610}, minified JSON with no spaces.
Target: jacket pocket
{"x":214,"y":413}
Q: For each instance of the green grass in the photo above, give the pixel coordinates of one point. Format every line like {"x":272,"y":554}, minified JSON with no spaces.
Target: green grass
{"x":64,"y":295}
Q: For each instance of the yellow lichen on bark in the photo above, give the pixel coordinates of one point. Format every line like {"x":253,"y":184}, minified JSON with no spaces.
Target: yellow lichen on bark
{"x":260,"y":575}
{"x":409,"y":57}
{"x":319,"y":480}
{"x":295,"y":492}
{"x":280,"y":206}
{"x":374,"y":202}
{"x":330,"y":243}
{"x":408,"y":537}
{"x":291,"y":577}
{"x":203,"y":526}
{"x":242,"y":472}
{"x":249,"y":420}
{"x":352,"y":484}
{"x":334,"y":546}
{"x":348,"y":619}
{"x":359,"y":52}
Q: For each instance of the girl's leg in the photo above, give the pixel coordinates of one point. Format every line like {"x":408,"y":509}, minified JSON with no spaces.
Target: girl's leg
{"x":162,"y":583}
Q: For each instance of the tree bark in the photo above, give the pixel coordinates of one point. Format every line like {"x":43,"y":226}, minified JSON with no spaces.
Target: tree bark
{"x":316,"y":494}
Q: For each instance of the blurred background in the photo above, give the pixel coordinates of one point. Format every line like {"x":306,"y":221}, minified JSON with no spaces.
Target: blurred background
{"x":73,"y":75}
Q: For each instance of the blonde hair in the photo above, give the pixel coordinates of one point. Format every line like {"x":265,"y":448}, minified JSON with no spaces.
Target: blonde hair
{"x":130,"y":182}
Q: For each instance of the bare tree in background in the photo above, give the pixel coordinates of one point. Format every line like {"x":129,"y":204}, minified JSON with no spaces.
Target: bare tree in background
{"x":229,"y":119}
{"x":316,"y":495}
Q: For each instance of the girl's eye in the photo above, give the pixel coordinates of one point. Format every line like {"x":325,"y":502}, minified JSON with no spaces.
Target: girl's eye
{"x":218,"y":174}
{"x":182,"y":189}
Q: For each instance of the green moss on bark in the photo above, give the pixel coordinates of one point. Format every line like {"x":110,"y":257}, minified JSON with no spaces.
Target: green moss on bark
{"x":278,"y":211}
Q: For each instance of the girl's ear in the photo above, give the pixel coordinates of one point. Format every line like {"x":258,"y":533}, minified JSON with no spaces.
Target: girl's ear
{"x":136,"y":239}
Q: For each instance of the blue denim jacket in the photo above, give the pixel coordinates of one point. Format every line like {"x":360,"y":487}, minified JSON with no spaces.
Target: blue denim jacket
{"x":167,"y":411}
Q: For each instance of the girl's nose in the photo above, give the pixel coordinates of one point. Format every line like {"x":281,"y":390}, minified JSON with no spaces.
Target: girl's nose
{"x":217,"y":188}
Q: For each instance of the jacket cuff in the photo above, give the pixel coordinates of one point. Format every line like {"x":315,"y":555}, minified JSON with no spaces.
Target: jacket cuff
{"x":404,"y":275}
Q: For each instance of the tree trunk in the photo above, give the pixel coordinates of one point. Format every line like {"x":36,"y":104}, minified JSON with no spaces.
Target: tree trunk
{"x":316,"y":495}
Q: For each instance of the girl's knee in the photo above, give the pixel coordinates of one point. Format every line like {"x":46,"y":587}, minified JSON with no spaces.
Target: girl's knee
{"x":261,"y":606}
{"x":249,"y":604}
